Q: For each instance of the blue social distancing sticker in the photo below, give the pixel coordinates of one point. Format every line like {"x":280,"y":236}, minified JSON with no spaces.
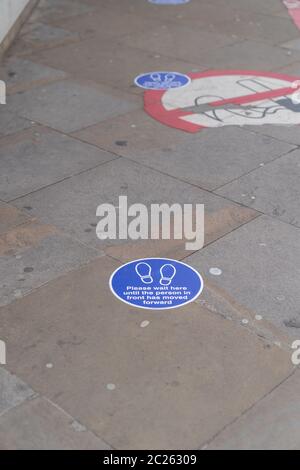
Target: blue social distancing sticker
{"x":168,"y":2}
{"x":156,"y":283}
{"x":162,"y":80}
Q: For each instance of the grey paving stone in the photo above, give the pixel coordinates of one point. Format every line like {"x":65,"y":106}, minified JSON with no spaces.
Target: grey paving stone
{"x":43,"y":34}
{"x":177,"y":382}
{"x":294,"y":44}
{"x":42,"y":158}
{"x":10,"y":217}
{"x":269,"y":7}
{"x":214,"y":156}
{"x":11,"y":123}
{"x":48,"y":10}
{"x":260,"y":27}
{"x":273,"y":189}
{"x":182,"y":42}
{"x":106,"y":21}
{"x":290,"y":134}
{"x":40,"y":425}
{"x":260,"y":266}
{"x":32,"y":255}
{"x":114,"y":64}
{"x":13,"y":391}
{"x":272,"y":424}
{"x":20,"y":74}
{"x":68,"y":106}
{"x":72,"y":204}
{"x":291,"y":69}
{"x":248,"y":55}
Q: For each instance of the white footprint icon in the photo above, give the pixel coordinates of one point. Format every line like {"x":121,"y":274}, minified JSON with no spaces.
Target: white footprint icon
{"x":167,"y":272}
{"x":144,"y":271}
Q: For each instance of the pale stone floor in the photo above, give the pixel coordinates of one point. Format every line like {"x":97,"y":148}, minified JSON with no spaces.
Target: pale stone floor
{"x":74,"y":134}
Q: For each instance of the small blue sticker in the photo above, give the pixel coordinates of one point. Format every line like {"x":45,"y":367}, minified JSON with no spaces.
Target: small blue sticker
{"x":168,"y":2}
{"x":162,"y":80}
{"x":156,"y":283}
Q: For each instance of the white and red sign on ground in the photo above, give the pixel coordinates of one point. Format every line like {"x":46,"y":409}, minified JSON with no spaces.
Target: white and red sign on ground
{"x":227,"y":97}
{"x":294,"y":10}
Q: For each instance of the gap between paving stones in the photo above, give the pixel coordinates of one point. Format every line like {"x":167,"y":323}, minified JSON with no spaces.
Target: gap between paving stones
{"x":254,"y":169}
{"x":206,"y":444}
{"x":36,"y":395}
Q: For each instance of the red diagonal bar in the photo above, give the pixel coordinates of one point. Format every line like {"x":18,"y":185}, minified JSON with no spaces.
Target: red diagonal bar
{"x":255,"y":97}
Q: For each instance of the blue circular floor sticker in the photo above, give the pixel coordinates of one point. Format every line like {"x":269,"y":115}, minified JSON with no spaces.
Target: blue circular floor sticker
{"x":156,"y":283}
{"x":162,"y":80}
{"x":168,"y":2}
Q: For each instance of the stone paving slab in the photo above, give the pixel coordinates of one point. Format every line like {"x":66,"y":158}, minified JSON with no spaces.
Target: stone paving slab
{"x":202,"y":12}
{"x":260,"y":266}
{"x":292,"y":69}
{"x":248,"y":55}
{"x":32,"y":254}
{"x":217,"y":224}
{"x":131,"y":133}
{"x":41,"y":158}
{"x":106,"y":22}
{"x":40,"y":425}
{"x":270,"y":7}
{"x":214,"y":156}
{"x":289,"y":134}
{"x":38,"y":35}
{"x":20,"y":74}
{"x":11,"y":123}
{"x":293,"y":44}
{"x":197,"y":376}
{"x":68,"y":106}
{"x":256,"y":26}
{"x":13,"y":392}
{"x":115,"y":64}
{"x":180,"y":42}
{"x":72,"y":204}
{"x":273,"y":424}
{"x":169,"y":393}
{"x":48,"y":10}
{"x":272,"y":189}
{"x":11,"y":217}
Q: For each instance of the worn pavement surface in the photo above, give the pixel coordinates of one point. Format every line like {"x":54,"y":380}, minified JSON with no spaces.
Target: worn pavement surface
{"x":214,"y":374}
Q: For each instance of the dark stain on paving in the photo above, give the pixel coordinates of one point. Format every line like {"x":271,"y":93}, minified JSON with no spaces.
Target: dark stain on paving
{"x":121,"y":143}
{"x":29,"y":269}
{"x":292,"y":323}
